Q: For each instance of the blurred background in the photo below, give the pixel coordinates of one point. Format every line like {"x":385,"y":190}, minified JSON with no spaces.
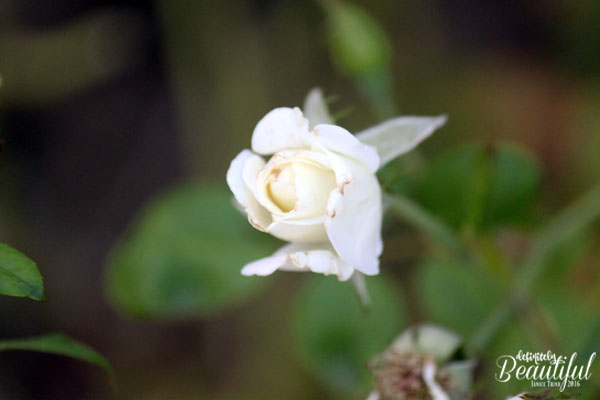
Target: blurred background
{"x":106,"y":104}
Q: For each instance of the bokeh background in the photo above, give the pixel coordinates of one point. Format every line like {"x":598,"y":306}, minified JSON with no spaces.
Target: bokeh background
{"x":106,"y":104}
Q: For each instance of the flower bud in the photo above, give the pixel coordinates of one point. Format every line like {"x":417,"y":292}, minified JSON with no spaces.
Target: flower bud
{"x":358,"y":45}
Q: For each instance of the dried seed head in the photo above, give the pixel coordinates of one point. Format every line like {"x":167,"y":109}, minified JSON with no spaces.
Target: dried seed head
{"x":399,"y":376}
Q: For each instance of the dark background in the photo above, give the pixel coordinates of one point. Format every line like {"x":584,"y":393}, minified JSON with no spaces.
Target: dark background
{"x":105,"y":103}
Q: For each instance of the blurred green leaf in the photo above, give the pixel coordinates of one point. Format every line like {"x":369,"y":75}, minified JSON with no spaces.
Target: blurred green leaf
{"x":515,"y":181}
{"x":183,"y":256}
{"x":19,"y":275}
{"x":456,"y":296}
{"x":358,"y":45}
{"x":510,"y":339}
{"x":568,"y":317}
{"x":335,"y":339}
{"x":561,"y":259}
{"x":57,"y":343}
{"x":565,"y":311}
{"x":590,"y":343}
{"x":473,"y":184}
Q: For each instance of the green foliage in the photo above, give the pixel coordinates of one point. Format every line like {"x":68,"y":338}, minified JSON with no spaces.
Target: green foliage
{"x":549,"y":395}
{"x":19,"y":275}
{"x":183,"y":256}
{"x":335,"y":339}
{"x":460,"y":297}
{"x":358,"y":44}
{"x":566,"y":312}
{"x":456,"y":296}
{"x":56,"y":343}
{"x":473,"y":185}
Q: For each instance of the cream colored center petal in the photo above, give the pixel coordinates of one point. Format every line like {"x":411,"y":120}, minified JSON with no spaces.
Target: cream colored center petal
{"x":280,"y":188}
{"x":300,"y":186}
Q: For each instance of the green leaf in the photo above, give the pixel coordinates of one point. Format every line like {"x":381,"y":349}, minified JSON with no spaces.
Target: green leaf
{"x":457,"y":296}
{"x":515,"y":181}
{"x":57,"y":343}
{"x":182,"y":257}
{"x":19,"y":275}
{"x":474,"y":185}
{"x":335,"y":338}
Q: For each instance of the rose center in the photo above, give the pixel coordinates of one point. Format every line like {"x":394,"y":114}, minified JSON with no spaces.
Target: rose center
{"x":302,"y":186}
{"x":281,"y":188}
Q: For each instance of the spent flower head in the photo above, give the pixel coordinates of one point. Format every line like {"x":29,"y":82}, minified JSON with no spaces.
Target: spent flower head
{"x":421,"y":365}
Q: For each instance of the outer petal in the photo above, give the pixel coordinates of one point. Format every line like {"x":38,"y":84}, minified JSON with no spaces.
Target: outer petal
{"x":282,"y":128}
{"x":241,"y":169}
{"x":235,"y":176}
{"x":301,"y":231}
{"x":302,"y":257}
{"x":353,"y":223}
{"x":339,"y":140}
{"x":400,"y":135}
{"x":265,"y":266}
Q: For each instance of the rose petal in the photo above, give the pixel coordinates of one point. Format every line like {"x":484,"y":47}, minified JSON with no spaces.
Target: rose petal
{"x":341,"y":141}
{"x":264,"y":266}
{"x":400,"y":135}
{"x":235,"y":178}
{"x":353,"y":223}
{"x":246,"y":164}
{"x":282,"y":128}
{"x":302,"y":257}
{"x":258,"y":216}
{"x":299,"y":231}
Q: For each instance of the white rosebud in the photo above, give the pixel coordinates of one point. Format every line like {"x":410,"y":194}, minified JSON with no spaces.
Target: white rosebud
{"x":318,"y":191}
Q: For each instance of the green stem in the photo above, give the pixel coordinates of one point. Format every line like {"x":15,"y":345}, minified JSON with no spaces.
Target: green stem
{"x":417,"y":216}
{"x":576,"y":217}
{"x":491,"y":326}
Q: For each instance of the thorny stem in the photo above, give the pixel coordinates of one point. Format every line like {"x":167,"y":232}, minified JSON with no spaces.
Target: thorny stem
{"x":577,"y":216}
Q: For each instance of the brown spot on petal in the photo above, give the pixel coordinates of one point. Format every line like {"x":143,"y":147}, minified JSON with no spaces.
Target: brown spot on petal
{"x":255,"y":223}
{"x":343,"y":185}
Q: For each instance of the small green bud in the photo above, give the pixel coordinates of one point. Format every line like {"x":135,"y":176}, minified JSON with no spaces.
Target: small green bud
{"x":358,"y":44}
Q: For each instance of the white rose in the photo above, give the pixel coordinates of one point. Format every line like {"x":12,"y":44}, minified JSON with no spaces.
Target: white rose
{"x":318,"y":191}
